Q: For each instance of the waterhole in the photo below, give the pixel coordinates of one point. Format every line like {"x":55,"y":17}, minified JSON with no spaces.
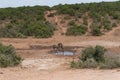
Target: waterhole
{"x":65,"y":53}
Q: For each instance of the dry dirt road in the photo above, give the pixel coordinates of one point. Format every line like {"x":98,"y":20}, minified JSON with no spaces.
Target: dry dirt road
{"x":66,"y":74}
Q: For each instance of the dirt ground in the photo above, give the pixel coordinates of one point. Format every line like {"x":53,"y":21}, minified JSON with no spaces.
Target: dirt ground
{"x":66,"y":74}
{"x":41,"y":65}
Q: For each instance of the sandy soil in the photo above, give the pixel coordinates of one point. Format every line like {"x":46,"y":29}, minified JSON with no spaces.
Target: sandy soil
{"x":41,"y":65}
{"x":66,"y":74}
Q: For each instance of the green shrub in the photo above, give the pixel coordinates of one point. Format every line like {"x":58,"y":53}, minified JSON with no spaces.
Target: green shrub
{"x":39,"y":30}
{"x":72,"y":22}
{"x":76,"y":30}
{"x":97,"y":57}
{"x":11,"y":32}
{"x":89,"y":63}
{"x":87,"y":53}
{"x":93,"y":53}
{"x":99,"y":54}
{"x":96,"y":29}
{"x":73,"y":64}
{"x":110,"y":64}
{"x":96,"y":32}
{"x":78,"y":15}
{"x":28,"y":18}
{"x":35,"y":29}
{"x":114,"y":24}
{"x":8,"y":56}
{"x":85,"y":22}
{"x":107,"y":26}
{"x":116,"y":15}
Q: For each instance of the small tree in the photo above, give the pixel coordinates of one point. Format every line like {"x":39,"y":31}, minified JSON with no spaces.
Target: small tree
{"x":96,"y":32}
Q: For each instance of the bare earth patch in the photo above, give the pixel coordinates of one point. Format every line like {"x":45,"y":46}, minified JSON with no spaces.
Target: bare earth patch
{"x":84,"y":74}
{"x":41,"y":65}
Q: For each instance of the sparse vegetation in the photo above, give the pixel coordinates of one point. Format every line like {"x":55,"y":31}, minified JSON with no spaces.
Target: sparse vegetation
{"x":36,"y":29}
{"x":97,"y":58}
{"x":8,"y":56}
{"x":103,"y":13}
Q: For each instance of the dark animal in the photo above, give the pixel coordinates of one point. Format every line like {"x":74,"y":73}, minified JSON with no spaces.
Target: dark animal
{"x":55,"y":48}
{"x":61,"y":48}
{"x":58,"y":48}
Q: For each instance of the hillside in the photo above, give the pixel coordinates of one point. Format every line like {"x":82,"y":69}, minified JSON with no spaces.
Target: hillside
{"x":24,"y":21}
{"x":91,"y":18}
{"x":94,"y":19}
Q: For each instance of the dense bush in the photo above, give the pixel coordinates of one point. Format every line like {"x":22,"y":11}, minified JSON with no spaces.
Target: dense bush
{"x":8,"y":56}
{"x":38,"y":29}
{"x":76,"y":30}
{"x":97,"y":58}
{"x":96,"y":29}
{"x":25,"y":21}
{"x":93,"y":53}
{"x":95,"y":9}
{"x":35,"y":29}
{"x":21,"y":13}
